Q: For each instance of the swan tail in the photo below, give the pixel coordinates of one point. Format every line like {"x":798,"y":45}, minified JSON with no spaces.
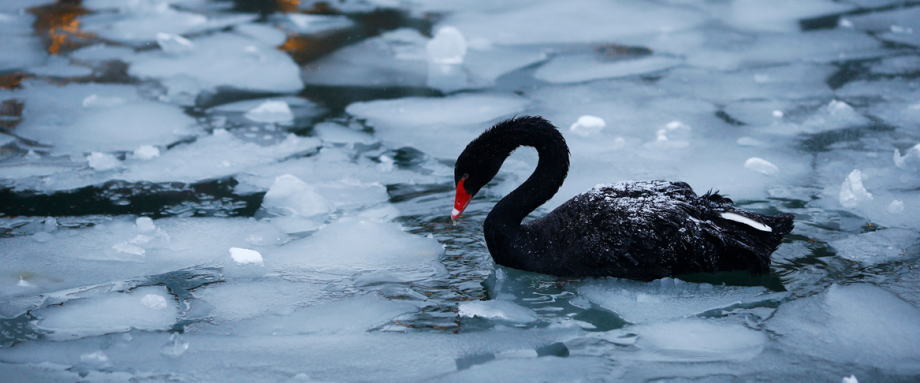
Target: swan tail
{"x":751,"y":238}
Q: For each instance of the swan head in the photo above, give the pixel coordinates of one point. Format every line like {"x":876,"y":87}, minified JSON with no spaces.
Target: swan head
{"x":478,"y":164}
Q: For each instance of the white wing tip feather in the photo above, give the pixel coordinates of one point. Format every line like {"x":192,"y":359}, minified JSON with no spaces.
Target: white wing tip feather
{"x":747,"y":221}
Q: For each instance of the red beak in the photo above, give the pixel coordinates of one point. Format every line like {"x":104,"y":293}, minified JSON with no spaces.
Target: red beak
{"x":460,"y":201}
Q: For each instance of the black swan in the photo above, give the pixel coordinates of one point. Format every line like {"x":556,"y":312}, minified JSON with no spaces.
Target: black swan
{"x":638,"y":230}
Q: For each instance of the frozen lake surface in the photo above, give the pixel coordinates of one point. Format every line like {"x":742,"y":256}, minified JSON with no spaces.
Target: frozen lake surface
{"x":247,"y":190}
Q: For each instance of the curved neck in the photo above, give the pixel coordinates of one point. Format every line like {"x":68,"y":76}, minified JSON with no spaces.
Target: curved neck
{"x":505,"y":218}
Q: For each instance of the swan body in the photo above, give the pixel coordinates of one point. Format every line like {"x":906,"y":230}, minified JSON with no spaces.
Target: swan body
{"x":639,"y":230}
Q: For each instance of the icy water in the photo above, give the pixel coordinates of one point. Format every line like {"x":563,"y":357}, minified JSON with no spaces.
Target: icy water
{"x":212,"y":191}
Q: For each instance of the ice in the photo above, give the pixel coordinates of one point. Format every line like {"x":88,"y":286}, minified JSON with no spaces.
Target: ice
{"x":780,"y":15}
{"x":447,"y":46}
{"x":606,"y":22}
{"x":899,"y":25}
{"x":852,"y":191}
{"x":78,"y":118}
{"x":145,"y":308}
{"x":694,"y":340}
{"x":587,"y":125}
{"x":102,"y":161}
{"x":896,"y":207}
{"x":314,"y":24}
{"x":897,"y":65}
{"x":667,"y":299}
{"x":146,"y":152}
{"x":174,"y":43}
{"x":781,"y":82}
{"x":910,"y":157}
{"x":60,"y":67}
{"x":245,"y":256}
{"x":250,"y":299}
{"x":17,"y":37}
{"x":270,"y":112}
{"x":217,"y":155}
{"x":878,"y":246}
{"x":291,"y":195}
{"x":761,"y":166}
{"x":856,"y":324}
{"x":264,"y":33}
{"x":94,"y":254}
{"x":370,"y":245}
{"x":849,"y":379}
{"x":221,"y":59}
{"x":143,"y":21}
{"x":437,"y":124}
{"x":400,"y":58}
{"x":498,"y":310}
{"x":587,"y":67}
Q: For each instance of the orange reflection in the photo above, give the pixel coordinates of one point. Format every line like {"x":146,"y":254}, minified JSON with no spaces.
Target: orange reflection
{"x":287,"y":6}
{"x":60,"y":21}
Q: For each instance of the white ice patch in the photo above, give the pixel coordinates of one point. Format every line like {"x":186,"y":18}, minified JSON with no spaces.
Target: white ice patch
{"x":761,"y":166}
{"x":448,"y":46}
{"x":849,"y":379}
{"x":290,"y":194}
{"x":314,"y":24}
{"x":79,"y":118}
{"x":694,"y":340}
{"x":852,"y":192}
{"x":146,"y":308}
{"x":747,"y":221}
{"x":876,"y":247}
{"x":354,"y":245}
{"x":910,"y":155}
{"x":273,"y":111}
{"x":436,"y":125}
{"x":103,"y":161}
{"x":857,"y":323}
{"x":499,"y":310}
{"x":221,"y":59}
{"x":174,"y":43}
{"x":146,"y":152}
{"x":579,"y":68}
{"x":587,"y":125}
{"x":245,"y":256}
{"x":896,"y":207}
{"x":668,"y":298}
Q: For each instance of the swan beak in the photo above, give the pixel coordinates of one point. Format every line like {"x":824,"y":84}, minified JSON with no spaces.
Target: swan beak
{"x":460,"y":201}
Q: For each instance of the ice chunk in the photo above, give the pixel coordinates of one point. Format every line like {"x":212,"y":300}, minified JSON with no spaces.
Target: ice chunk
{"x":354,"y":245}
{"x":102,"y":161}
{"x":294,"y":196}
{"x":144,"y":23}
{"x":248,"y":299}
{"x":694,"y":340}
{"x":588,"y":125}
{"x":674,"y":134}
{"x":913,"y":153}
{"x":860,"y":324}
{"x":448,"y":46}
{"x":436,"y":124}
{"x":146,"y":308}
{"x":273,"y":111}
{"x":849,"y":379}
{"x":665,"y":299}
{"x":852,"y":191}
{"x":19,"y":37}
{"x":217,"y":155}
{"x":897,"y":65}
{"x":222,"y":59}
{"x":779,"y":15}
{"x":500,"y":310}
{"x":761,"y":166}
{"x":314,"y":24}
{"x":878,"y":246}
{"x":145,"y":225}
{"x":78,"y":118}
{"x":578,"y":68}
{"x":60,"y":67}
{"x":174,"y":43}
{"x":264,"y":33}
{"x":607,"y":21}
{"x":896,"y":207}
{"x":245,"y":256}
{"x":146,"y":152}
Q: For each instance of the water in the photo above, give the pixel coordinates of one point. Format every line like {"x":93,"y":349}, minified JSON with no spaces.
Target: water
{"x":320,"y":137}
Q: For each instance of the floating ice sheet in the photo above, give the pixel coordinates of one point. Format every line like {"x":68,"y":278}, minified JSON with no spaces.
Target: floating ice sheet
{"x":146,"y":308}
{"x":666,"y":299}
